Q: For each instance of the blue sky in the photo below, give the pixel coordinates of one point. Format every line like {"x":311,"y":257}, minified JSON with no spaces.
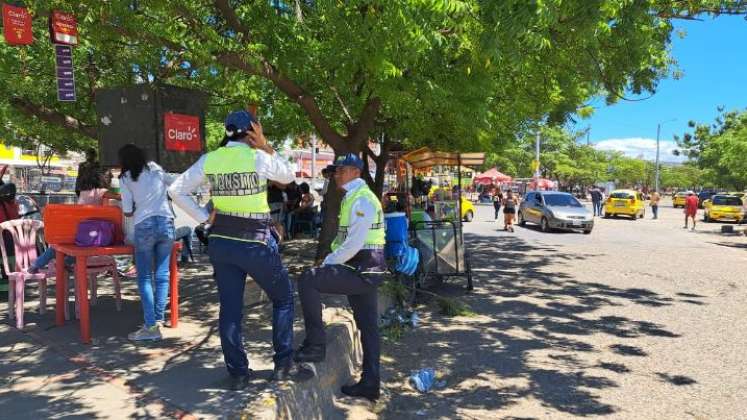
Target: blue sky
{"x":713,"y":58}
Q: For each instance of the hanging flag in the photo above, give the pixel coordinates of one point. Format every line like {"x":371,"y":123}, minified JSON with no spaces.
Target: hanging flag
{"x":65,"y":75}
{"x":63,"y":28}
{"x":17,"y":25}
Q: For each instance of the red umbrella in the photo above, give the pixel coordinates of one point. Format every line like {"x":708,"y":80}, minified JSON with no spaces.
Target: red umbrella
{"x":492,"y":176}
{"x":542,"y":184}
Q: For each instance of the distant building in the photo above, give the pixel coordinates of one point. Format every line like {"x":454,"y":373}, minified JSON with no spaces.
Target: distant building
{"x":58,"y":174}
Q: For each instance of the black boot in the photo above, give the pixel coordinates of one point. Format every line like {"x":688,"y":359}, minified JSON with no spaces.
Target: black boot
{"x":290,"y":371}
{"x":362,"y":389}
{"x":237,"y":383}
{"x":310,"y":353}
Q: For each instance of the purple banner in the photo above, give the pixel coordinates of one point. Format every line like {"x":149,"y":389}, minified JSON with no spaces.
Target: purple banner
{"x":66,"y":84}
{"x":65,"y":73}
{"x":63,"y":50}
{"x":66,"y":95}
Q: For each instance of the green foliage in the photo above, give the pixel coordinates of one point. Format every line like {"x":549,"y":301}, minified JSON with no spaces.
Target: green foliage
{"x":687,"y":176}
{"x":395,"y":290}
{"x":719,"y":149}
{"x":453,"y":307}
{"x":448,"y":73}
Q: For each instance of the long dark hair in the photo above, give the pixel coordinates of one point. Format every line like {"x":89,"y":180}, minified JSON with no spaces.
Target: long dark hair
{"x":132,"y":160}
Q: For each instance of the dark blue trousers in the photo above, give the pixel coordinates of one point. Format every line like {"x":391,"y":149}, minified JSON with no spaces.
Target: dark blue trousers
{"x":232,"y":261}
{"x":363,"y":296}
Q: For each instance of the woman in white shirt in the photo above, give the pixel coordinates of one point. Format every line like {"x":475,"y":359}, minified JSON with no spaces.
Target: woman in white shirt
{"x":143,"y":187}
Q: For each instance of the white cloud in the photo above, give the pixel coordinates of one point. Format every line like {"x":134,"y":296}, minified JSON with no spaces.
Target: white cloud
{"x":641,"y":147}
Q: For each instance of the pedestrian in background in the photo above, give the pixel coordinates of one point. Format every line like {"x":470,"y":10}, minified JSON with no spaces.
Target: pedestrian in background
{"x":143,"y":187}
{"x":691,"y":208}
{"x":509,"y":210}
{"x":655,"y":198}
{"x":596,"y":201}
{"x":90,"y":174}
{"x":497,"y":201}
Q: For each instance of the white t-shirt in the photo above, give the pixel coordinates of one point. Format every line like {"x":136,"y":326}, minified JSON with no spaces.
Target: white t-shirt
{"x":93,"y":197}
{"x":147,"y":196}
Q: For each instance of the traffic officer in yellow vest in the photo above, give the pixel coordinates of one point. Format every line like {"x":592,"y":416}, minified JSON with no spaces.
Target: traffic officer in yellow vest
{"x":354,"y":268}
{"x":242,"y":240}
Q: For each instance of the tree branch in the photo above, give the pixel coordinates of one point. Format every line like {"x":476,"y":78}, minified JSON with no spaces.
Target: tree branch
{"x":291,"y":89}
{"x":232,"y":19}
{"x":51,"y":116}
{"x":342,"y":104}
{"x":359,"y":131}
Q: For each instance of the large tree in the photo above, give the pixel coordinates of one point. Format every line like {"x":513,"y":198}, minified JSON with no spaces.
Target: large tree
{"x":719,"y":149}
{"x":457,"y":74}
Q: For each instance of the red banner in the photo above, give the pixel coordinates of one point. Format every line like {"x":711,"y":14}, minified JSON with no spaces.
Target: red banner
{"x":17,"y":25}
{"x":63,"y":28}
{"x":181,"y":132}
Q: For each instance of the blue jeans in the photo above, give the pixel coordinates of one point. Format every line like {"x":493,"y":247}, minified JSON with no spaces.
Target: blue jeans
{"x":232,"y":261}
{"x":154,"y":238}
{"x":48,"y":256}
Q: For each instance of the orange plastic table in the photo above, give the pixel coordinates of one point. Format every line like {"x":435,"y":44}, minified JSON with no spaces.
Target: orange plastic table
{"x":81,"y":254}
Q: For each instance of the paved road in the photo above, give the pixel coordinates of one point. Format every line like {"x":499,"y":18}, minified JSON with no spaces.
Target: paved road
{"x":640,"y":319}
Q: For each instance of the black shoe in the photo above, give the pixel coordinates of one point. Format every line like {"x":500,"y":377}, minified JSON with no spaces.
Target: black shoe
{"x":237,"y":383}
{"x":291,"y":372}
{"x":310,"y":353}
{"x":361,"y":389}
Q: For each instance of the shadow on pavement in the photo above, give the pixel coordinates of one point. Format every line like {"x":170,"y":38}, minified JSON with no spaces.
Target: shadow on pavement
{"x":524,"y":311}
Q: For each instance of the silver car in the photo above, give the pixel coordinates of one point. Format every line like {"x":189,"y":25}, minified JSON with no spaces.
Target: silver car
{"x":555,"y":210}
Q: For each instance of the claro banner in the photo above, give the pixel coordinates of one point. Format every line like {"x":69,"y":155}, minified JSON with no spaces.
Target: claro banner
{"x":17,"y":25}
{"x":182,"y":132}
{"x":63,"y":29}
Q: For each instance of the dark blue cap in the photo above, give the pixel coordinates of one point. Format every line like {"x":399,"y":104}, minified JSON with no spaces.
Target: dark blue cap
{"x":350,"y":159}
{"x":238,"y":123}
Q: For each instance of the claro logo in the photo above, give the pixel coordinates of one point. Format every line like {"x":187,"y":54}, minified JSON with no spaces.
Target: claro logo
{"x":188,"y":134}
{"x":182,"y":132}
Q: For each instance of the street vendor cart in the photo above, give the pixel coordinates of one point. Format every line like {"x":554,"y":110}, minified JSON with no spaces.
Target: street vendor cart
{"x":435,"y":216}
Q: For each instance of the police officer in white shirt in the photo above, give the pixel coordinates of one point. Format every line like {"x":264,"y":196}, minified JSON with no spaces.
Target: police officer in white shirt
{"x":243,"y":241}
{"x":354,"y":268}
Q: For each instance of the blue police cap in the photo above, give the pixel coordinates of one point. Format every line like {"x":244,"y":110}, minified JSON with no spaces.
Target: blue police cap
{"x":350,"y":159}
{"x":238,"y":123}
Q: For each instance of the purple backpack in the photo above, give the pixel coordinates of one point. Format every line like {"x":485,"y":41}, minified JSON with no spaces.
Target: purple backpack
{"x":93,"y":232}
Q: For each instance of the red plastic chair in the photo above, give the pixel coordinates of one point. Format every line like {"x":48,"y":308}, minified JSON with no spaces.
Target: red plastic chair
{"x":101,"y":264}
{"x":24,"y":241}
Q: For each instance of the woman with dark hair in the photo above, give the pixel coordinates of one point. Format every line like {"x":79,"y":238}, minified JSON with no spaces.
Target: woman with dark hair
{"x":304,"y":210}
{"x":89,"y":173}
{"x":143,"y":187}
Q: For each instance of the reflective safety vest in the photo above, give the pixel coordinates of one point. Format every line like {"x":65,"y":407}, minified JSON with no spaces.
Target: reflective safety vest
{"x":376,"y":237}
{"x":235,"y":186}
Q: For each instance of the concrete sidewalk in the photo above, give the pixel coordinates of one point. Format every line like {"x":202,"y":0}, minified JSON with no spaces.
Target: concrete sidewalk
{"x":46,"y":372}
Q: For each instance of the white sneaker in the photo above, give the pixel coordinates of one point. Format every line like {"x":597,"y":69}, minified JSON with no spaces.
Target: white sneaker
{"x":145,"y":333}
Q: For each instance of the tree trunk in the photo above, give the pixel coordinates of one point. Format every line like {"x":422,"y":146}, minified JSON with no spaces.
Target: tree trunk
{"x":332,"y":201}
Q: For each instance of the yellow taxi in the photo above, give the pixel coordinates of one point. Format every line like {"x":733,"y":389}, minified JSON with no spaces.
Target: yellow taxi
{"x":737,"y":194}
{"x":625,"y":202}
{"x":444,"y":193}
{"x":468,"y":210}
{"x":723,"y":207}
{"x":679,"y":199}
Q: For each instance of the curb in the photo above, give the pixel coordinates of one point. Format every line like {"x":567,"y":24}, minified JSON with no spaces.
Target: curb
{"x":314,"y":399}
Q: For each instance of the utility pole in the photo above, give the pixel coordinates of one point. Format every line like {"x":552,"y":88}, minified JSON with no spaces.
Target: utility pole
{"x":658,"y":135}
{"x":313,"y":160}
{"x":656,"y":178}
{"x":588,"y":135}
{"x":537,"y":159}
